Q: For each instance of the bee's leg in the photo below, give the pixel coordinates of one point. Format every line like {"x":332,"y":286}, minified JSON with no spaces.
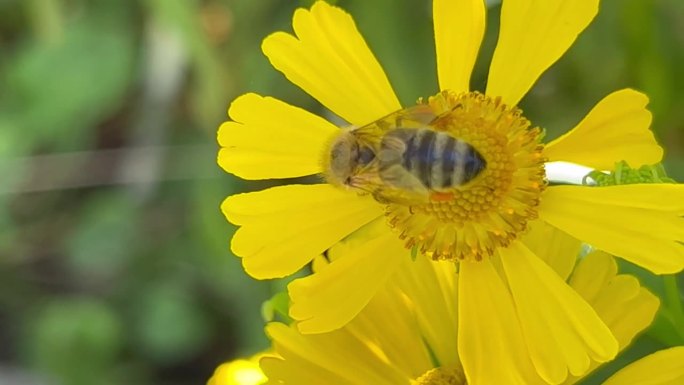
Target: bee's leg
{"x":377,"y":195}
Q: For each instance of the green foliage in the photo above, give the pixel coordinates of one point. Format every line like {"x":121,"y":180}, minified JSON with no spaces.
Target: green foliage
{"x":57,"y":90}
{"x":623,"y":174}
{"x":77,"y":339}
{"x":277,"y":308}
{"x":94,"y":247}
{"x":169,"y":327}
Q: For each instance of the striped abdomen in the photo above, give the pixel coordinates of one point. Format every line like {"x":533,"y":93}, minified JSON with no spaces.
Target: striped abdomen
{"x":438,"y":160}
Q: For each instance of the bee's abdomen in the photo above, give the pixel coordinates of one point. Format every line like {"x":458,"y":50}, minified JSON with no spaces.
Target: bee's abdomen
{"x":437,"y":159}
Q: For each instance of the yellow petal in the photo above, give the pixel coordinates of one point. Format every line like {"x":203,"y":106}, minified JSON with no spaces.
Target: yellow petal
{"x":652,"y":196}
{"x":298,"y":371}
{"x":331,"y":298}
{"x":271,"y":139}
{"x":417,"y":305}
{"x":562,"y":331}
{"x":433,"y":289}
{"x":394,"y":320}
{"x":625,"y":306}
{"x":660,"y":368}
{"x":592,"y":274}
{"x":329,"y":59}
{"x":459,"y":28}
{"x":389,"y":320}
{"x":558,"y":249}
{"x":640,"y":223}
{"x":619,"y":300}
{"x":374,"y":229}
{"x":533,"y":35}
{"x":238,"y":372}
{"x":490,"y":341}
{"x":285,"y":227}
{"x":618,"y":128}
{"x":339,"y":357}
{"x":319,"y":263}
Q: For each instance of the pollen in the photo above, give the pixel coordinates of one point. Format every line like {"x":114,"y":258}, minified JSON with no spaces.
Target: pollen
{"x":472,"y":220}
{"x":442,"y":376}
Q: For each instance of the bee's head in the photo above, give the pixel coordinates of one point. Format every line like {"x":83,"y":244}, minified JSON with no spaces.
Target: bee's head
{"x":346,"y":158}
{"x":342,"y":159}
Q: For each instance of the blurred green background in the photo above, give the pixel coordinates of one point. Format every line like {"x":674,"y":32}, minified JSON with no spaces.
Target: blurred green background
{"x":114,"y":258}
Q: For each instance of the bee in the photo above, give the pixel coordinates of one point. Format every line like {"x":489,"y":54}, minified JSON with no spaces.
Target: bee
{"x":402,"y":158}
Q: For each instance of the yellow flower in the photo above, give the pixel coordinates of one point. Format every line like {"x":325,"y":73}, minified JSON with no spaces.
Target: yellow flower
{"x":660,"y":368}
{"x":239,"y":372}
{"x":408,"y":333}
{"x":479,"y":224}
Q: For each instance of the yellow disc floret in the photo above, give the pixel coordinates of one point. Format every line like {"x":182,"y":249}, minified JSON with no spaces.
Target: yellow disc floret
{"x":442,"y":376}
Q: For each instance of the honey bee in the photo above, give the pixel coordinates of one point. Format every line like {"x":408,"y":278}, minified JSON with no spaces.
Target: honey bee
{"x":402,"y":158}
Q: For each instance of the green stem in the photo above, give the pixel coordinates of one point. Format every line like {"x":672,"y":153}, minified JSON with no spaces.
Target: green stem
{"x":674,"y":303}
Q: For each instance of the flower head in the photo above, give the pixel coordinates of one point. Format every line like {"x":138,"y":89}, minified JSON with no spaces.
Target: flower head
{"x":479,"y":214}
{"x":408,"y":333}
{"x":239,"y":372}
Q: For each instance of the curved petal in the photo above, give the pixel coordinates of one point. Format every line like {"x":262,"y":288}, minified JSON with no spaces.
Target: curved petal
{"x":337,"y":358}
{"x":329,"y":59}
{"x":625,"y":306}
{"x":533,"y":35}
{"x":298,"y":370}
{"x":238,"y":372}
{"x":459,"y":28}
{"x":490,"y":342}
{"x":392,"y":320}
{"x":558,"y":249}
{"x":592,"y":274}
{"x":285,"y":227}
{"x":620,"y":301}
{"x":269,"y":138}
{"x":660,"y":368}
{"x":331,"y":298}
{"x":562,"y":331}
{"x":641,"y":222}
{"x":617,"y":128}
{"x":629,"y":316}
{"x":433,"y":289}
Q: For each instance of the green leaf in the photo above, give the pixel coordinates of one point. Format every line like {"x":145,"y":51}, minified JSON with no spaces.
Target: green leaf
{"x":55,"y":91}
{"x":277,"y":306}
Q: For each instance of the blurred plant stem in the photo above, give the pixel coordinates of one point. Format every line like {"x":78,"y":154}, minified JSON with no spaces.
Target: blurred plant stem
{"x":54,"y":172}
{"x":165,"y":63}
{"x":46,"y":20}
{"x":209,"y":83}
{"x":674,"y":303}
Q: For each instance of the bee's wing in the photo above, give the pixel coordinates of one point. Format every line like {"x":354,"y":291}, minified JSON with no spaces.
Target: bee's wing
{"x":400,"y":184}
{"x":420,"y":115}
{"x":392,"y":183}
{"x":417,"y":116}
{"x":395,"y":185}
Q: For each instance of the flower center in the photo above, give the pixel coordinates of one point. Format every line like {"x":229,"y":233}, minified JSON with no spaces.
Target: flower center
{"x":470,"y":220}
{"x":442,"y":376}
